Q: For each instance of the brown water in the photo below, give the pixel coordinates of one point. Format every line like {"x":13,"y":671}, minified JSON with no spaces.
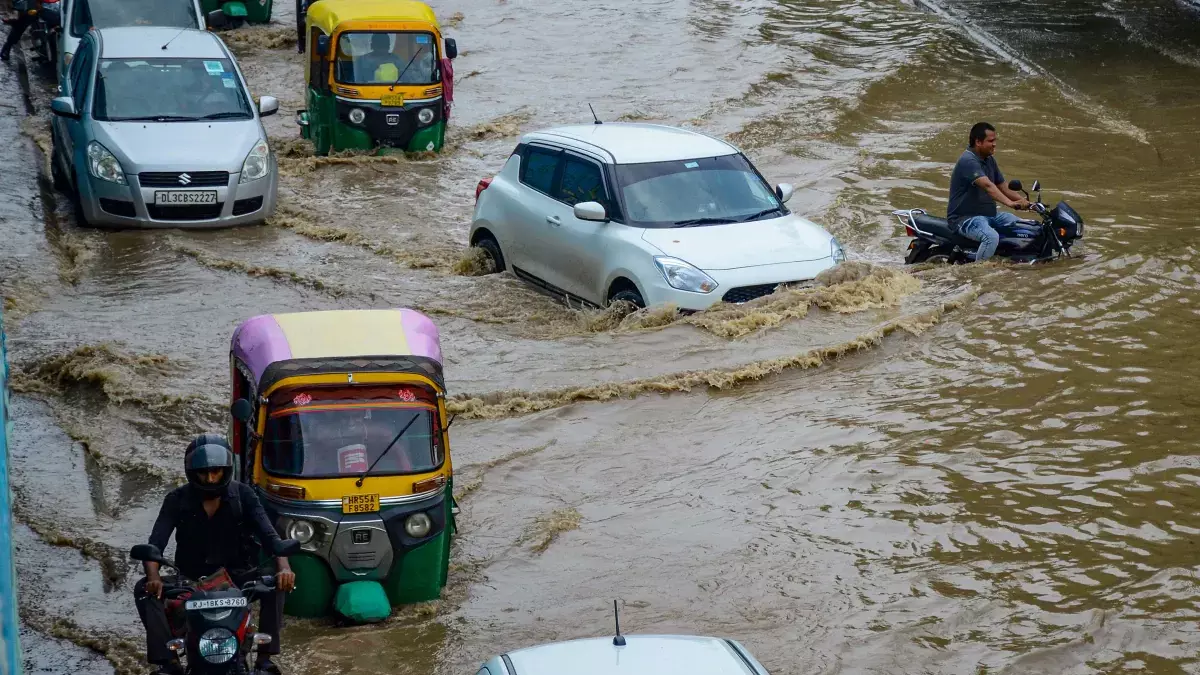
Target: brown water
{"x":979,"y":469}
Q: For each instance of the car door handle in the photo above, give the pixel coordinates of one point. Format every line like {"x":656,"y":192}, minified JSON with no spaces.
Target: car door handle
{"x":553,"y":220}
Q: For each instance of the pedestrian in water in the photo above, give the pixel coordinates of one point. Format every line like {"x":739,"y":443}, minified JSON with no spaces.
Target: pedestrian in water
{"x":26,"y":14}
{"x":975,"y":187}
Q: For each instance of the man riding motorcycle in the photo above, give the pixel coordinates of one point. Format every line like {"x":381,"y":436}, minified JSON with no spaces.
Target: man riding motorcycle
{"x":975,"y":186}
{"x":212,"y":517}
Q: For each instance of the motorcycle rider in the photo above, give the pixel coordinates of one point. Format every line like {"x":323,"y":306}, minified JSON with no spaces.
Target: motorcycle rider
{"x":975,"y":186}
{"x":27,"y":11}
{"x":212,"y":516}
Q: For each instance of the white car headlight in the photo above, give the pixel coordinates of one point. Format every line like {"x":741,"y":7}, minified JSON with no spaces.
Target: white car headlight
{"x":417,"y":525}
{"x":103,"y":165}
{"x":683,"y":276}
{"x":257,"y":163}
{"x":357,"y":115}
{"x":425,"y":116}
{"x":836,"y":251}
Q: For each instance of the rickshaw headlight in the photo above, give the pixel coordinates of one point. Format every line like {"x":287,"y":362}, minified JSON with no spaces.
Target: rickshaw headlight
{"x":257,"y":163}
{"x":425,"y":116}
{"x":301,"y":530}
{"x":357,"y":115}
{"x":418,"y":525}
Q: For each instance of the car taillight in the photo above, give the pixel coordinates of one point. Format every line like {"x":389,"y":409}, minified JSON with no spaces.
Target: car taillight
{"x":483,"y":185}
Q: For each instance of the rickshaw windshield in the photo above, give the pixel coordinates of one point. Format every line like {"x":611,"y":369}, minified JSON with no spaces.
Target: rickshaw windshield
{"x":317,"y":434}
{"x":378,"y":57}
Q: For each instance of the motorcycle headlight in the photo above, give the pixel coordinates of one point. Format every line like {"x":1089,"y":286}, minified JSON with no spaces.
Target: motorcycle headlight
{"x":425,"y":116}
{"x":103,"y":165}
{"x":218,"y":645}
{"x":684,"y":276}
{"x":357,"y":115}
{"x":301,"y":530}
{"x":418,"y":525}
{"x":836,"y":251}
{"x":257,"y":163}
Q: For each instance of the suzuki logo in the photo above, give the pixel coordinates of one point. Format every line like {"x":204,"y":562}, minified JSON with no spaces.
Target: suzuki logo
{"x":393,"y":120}
{"x":184,"y":179}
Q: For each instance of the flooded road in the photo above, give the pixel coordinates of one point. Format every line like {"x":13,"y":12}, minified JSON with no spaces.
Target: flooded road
{"x":982,"y":469}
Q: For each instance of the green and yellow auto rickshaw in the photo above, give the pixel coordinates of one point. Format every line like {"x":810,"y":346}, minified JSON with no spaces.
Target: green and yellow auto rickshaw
{"x":340,"y":424}
{"x":378,"y":75}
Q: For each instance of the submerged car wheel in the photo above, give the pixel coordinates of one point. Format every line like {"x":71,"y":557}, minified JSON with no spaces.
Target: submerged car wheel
{"x":77,"y":206}
{"x":491,"y":248}
{"x":628,"y":295}
{"x":56,"y":172}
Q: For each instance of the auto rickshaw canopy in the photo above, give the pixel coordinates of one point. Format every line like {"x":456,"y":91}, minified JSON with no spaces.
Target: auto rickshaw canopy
{"x":334,"y":15}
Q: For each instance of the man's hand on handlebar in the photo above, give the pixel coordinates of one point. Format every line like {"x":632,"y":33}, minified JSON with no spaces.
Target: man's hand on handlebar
{"x":285,"y":578}
{"x":1021,"y":204}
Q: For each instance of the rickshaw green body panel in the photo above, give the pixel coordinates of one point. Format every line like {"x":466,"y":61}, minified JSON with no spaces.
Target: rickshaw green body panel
{"x":330,"y":134}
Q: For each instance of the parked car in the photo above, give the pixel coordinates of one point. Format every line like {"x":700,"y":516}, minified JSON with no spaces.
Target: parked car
{"x":80,"y":16}
{"x":155,"y":127}
{"x":639,"y":655}
{"x":643,"y":213}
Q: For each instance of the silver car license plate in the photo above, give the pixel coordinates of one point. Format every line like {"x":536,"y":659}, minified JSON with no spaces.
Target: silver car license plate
{"x":184,"y":197}
{"x":215,"y":603}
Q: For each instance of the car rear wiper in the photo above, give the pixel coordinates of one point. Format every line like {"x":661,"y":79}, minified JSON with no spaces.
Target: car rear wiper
{"x":226,"y":115}
{"x":155,"y":118}
{"x":704,"y":221}
{"x":760,"y":214}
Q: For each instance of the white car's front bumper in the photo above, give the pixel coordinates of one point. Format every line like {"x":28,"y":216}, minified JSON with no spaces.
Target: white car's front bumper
{"x":736,"y":285}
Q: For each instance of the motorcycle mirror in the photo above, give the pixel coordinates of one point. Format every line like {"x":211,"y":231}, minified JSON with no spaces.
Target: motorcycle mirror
{"x":1015,"y":185}
{"x":1037,"y":187}
{"x":286,"y":547}
{"x":241,"y":410}
{"x":146,"y":553}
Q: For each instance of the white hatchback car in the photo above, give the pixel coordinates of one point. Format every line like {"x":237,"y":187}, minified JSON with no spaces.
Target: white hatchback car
{"x":644,"y":213}
{"x":639,"y":655}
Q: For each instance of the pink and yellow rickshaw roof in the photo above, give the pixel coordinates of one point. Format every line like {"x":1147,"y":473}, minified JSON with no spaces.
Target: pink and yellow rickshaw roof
{"x":338,"y":334}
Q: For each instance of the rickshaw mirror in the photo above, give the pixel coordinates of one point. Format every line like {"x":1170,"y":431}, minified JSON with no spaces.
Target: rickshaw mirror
{"x":146,"y":553}
{"x":216,"y":19}
{"x":451,"y":48}
{"x":241,"y":410}
{"x":286,"y":547}
{"x":323,"y":45}
{"x":784,"y":191}
{"x":593,"y":211}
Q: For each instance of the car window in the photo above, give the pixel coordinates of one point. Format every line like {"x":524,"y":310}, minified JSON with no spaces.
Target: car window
{"x":709,"y":190}
{"x":81,"y":68}
{"x":582,"y":181}
{"x":169,"y":90}
{"x":87,"y":14}
{"x":537,"y":171}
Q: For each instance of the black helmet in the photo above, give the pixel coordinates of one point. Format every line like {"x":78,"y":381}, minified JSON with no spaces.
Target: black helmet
{"x":206,"y":458}
{"x":206,"y":439}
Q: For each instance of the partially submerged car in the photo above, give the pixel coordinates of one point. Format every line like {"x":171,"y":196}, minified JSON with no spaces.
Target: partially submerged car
{"x":155,"y":127}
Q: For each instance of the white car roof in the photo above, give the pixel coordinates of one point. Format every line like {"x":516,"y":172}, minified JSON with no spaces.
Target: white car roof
{"x":132,"y":42}
{"x":641,"y":655}
{"x":635,"y":143}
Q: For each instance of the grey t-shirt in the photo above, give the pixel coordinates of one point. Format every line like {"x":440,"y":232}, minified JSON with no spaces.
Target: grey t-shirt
{"x":966,"y":198}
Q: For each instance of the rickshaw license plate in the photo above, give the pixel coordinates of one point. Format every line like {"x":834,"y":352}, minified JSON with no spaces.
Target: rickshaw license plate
{"x":392,"y":100}
{"x":360,"y":503}
{"x":178,"y":197}
{"x":215,"y":603}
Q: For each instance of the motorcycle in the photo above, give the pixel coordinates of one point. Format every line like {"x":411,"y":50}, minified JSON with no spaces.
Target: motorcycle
{"x":934,"y":240}
{"x":43,"y":33}
{"x":219,"y":639}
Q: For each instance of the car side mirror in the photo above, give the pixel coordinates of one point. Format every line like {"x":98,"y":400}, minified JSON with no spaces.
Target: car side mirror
{"x":1015,"y":185}
{"x":784,"y":191}
{"x":146,"y":553}
{"x":268,"y":105}
{"x":1037,"y":187}
{"x":323,"y":45}
{"x":593,"y":211}
{"x":241,"y":410}
{"x":451,"y":48}
{"x":64,"y":106}
{"x":216,"y":19}
{"x":286,"y":548}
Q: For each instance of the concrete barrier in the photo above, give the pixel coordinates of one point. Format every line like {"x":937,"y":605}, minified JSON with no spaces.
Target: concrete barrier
{"x":10,"y":641}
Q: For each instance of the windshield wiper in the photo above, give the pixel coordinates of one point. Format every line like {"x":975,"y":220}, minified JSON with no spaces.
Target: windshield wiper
{"x":760,"y":214}
{"x":226,"y":115}
{"x":704,"y":221}
{"x":406,"y":67}
{"x":363,"y":477}
{"x":155,"y":118}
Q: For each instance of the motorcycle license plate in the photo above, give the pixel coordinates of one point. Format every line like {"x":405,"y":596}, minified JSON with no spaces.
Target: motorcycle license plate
{"x":392,"y":100}
{"x":215,"y":603}
{"x":360,"y":503}
{"x":180,"y":197}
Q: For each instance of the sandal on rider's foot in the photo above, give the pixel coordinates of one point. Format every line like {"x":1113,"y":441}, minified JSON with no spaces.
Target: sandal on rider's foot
{"x":267,"y":666}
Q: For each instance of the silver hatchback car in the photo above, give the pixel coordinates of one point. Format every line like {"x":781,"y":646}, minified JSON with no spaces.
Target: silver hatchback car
{"x":155,"y":127}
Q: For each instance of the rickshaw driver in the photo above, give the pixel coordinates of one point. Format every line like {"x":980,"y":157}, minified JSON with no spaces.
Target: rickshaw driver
{"x":210,"y":515}
{"x":376,"y":61}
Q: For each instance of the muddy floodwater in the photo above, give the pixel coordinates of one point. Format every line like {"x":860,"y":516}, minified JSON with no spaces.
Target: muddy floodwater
{"x":986,"y":468}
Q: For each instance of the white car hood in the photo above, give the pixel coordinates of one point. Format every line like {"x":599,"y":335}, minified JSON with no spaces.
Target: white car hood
{"x":180,"y":146}
{"x":761,"y":242}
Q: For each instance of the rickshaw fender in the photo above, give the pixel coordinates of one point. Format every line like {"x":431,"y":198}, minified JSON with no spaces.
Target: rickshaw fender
{"x":234,"y":10}
{"x":362,"y":602}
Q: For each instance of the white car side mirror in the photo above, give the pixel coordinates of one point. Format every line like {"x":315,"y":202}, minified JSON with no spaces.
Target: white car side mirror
{"x":268,"y":105}
{"x":784,"y":191}
{"x":590,"y":211}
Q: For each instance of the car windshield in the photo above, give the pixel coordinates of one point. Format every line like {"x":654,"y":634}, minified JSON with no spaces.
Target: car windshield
{"x":115,"y":13}
{"x":385,"y":58}
{"x":326,"y":434}
{"x":169,"y":90}
{"x":695,"y":192}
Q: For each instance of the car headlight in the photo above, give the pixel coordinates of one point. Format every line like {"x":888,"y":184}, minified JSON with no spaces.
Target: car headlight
{"x":103,"y":165}
{"x":425,"y":116}
{"x":683,"y":276}
{"x":301,"y":530}
{"x":257,"y":163}
{"x":357,"y":115}
{"x":218,"y":645}
{"x":418,"y":525}
{"x":836,"y":251}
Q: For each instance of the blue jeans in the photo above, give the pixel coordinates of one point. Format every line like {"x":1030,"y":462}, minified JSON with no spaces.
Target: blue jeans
{"x":979,"y":228}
